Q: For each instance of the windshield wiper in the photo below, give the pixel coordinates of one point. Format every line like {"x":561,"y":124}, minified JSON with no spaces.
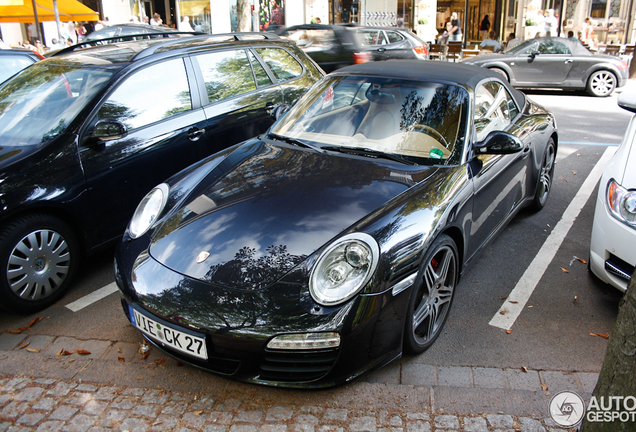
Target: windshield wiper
{"x":361,"y":151}
{"x":294,"y":141}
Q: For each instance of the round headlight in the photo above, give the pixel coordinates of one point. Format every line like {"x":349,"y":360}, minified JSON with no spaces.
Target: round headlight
{"x":148,"y":210}
{"x":343,"y":269}
{"x":622,"y":203}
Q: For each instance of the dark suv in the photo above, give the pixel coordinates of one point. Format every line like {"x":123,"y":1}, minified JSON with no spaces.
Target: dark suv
{"x":85,"y":135}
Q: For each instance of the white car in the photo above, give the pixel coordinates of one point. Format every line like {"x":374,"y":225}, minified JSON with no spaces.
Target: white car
{"x":613,"y":246}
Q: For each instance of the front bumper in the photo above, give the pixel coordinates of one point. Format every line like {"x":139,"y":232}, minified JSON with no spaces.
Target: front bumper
{"x":612,"y":252}
{"x":237,"y":326}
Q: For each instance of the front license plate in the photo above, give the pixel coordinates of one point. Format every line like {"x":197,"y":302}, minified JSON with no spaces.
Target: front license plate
{"x":169,"y":336}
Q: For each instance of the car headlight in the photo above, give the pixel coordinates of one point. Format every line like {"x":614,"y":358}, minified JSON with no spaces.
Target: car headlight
{"x":621,"y":203}
{"x":148,"y":210}
{"x":343,"y":269}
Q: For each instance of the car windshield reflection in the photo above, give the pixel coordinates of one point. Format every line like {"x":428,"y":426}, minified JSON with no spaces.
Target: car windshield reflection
{"x":39,"y":104}
{"x":407,"y":118}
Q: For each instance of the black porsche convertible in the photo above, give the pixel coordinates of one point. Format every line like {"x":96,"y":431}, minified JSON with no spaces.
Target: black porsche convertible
{"x":333,"y":243}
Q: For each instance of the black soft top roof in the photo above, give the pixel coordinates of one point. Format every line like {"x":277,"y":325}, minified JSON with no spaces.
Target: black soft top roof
{"x":463,"y":74}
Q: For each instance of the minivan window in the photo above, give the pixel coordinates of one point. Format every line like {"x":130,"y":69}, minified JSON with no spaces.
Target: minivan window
{"x":226,"y":74}
{"x":150,"y":94}
{"x":283,"y":64}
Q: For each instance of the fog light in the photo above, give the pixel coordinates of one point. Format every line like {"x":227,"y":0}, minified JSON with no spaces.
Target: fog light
{"x":305,"y":341}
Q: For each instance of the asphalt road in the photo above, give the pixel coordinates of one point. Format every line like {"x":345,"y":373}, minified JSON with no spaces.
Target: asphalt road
{"x":552,"y":331}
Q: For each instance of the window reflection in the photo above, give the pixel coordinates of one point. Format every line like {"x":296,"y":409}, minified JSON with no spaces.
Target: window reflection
{"x":494,"y":109}
{"x":226,"y":74}
{"x":282,"y":64}
{"x":151,"y":94}
{"x":409,"y":118}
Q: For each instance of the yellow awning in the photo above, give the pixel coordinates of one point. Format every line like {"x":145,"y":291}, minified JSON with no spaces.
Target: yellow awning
{"x":69,"y":10}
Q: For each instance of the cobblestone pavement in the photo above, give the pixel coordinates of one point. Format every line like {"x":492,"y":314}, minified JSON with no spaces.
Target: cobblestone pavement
{"x":44,"y":404}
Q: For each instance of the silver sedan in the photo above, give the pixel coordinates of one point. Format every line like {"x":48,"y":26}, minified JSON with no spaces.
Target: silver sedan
{"x":551,"y":62}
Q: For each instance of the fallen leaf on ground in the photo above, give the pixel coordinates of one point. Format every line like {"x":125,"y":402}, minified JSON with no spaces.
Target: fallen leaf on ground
{"x":512,"y":301}
{"x":544,"y":387}
{"x":121,"y":359}
{"x":63,"y":352}
{"x":33,"y":350}
{"x":145,"y":355}
{"x":509,"y":331}
{"x":25,"y":345}
{"x":14,"y":331}
{"x":159,"y":361}
{"x":603,"y":335}
{"x":524,"y":369}
{"x":565,"y":270}
{"x":503,"y":298}
{"x":198,"y":413}
{"x":119,"y":350}
{"x":82,"y":352}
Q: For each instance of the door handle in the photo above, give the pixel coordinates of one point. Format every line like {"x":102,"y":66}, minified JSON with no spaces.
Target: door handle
{"x":194,"y":134}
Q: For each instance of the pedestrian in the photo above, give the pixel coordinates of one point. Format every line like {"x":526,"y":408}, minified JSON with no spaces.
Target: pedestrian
{"x":184,"y":25}
{"x":156,"y":20}
{"x":588,"y":31}
{"x":550,"y":23}
{"x":456,"y":28}
{"x":491,"y":41}
{"x":484,"y":27}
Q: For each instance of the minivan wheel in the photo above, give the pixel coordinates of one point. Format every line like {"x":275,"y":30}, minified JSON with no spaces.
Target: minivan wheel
{"x":39,"y":256}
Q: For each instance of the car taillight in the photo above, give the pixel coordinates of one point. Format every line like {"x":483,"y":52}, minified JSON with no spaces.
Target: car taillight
{"x":421,"y":50}
{"x":361,"y":57}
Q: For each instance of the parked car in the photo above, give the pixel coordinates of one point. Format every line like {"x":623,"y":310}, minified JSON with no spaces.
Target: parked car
{"x":128,"y":30}
{"x":334,"y":242}
{"x":551,"y":62}
{"x":393,"y":43}
{"x":612,"y":252}
{"x":86,"y":134}
{"x":331,"y":46}
{"x":13,"y":61}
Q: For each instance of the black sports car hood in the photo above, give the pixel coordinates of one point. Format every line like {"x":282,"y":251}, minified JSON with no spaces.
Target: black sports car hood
{"x":257,"y":216}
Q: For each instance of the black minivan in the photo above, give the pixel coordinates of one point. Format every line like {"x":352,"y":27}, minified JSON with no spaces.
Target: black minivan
{"x":84,"y":135}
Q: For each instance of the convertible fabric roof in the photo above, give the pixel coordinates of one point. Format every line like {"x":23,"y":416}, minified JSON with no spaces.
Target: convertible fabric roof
{"x":462,"y":74}
{"x":69,"y":10}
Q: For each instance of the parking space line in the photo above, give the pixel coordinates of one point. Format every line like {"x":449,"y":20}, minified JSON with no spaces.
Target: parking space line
{"x":93,"y":297}
{"x":519,"y":296}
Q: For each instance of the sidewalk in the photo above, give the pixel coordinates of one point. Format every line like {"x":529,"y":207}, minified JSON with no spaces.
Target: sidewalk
{"x":44,"y":391}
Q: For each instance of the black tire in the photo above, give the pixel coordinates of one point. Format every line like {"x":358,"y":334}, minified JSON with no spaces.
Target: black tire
{"x":546,"y":177}
{"x":432,"y":295}
{"x":39,"y":255}
{"x":601,"y":83}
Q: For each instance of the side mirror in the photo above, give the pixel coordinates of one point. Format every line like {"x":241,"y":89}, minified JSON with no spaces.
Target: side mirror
{"x":498,"y":142}
{"x":108,"y":129}
{"x":278,"y":112}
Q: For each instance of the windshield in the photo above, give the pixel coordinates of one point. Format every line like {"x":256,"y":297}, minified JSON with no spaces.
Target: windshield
{"x":39,"y":103}
{"x":526,"y":47}
{"x":415,"y":119}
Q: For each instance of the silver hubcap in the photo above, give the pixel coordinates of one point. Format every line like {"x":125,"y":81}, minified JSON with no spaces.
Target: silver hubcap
{"x":437,"y":292}
{"x":545,"y":181}
{"x":38,"y":265}
{"x":603,"y":83}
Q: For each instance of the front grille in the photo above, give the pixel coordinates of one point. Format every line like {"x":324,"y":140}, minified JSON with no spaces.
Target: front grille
{"x":297,"y":366}
{"x":619,"y":268}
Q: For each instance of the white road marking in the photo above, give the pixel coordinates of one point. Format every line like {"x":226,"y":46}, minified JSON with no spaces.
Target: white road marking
{"x":93,"y":297}
{"x":509,"y":311}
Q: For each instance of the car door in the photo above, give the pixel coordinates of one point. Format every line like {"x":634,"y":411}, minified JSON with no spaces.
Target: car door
{"x":240,"y":95}
{"x":165,"y":128}
{"x":548,"y":62}
{"x":499,"y":180}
